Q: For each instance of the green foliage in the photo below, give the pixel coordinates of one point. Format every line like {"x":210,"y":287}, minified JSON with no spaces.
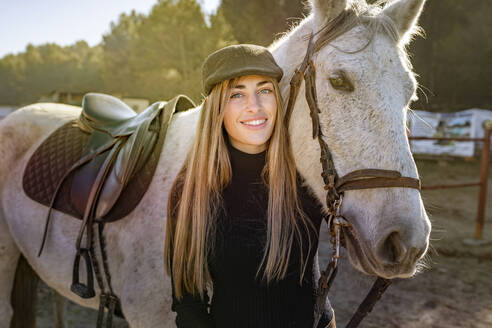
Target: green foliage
{"x":259,"y":21}
{"x":220,"y":31}
{"x":155,"y":57}
{"x":11,"y":73}
{"x":452,"y":60}
{"x":169,"y":47}
{"x":39,"y":70}
{"x":159,"y":55}
{"x":118,"y":75}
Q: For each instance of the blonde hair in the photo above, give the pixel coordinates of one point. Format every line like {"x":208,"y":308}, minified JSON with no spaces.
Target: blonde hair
{"x":195,"y":199}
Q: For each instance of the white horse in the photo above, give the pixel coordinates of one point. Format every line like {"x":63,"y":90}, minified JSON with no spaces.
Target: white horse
{"x":364,"y":128}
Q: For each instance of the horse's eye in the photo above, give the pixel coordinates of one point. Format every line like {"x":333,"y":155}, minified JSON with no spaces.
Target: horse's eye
{"x":340,"y":82}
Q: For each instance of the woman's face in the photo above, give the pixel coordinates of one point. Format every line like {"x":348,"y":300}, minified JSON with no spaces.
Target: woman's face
{"x":250,"y":113}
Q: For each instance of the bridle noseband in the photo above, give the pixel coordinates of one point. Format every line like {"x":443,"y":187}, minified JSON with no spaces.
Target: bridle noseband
{"x":336,"y":186}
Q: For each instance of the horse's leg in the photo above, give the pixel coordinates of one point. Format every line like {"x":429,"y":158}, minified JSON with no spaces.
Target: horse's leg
{"x":9,"y":255}
{"x":59,"y":303}
{"x":24,"y":296}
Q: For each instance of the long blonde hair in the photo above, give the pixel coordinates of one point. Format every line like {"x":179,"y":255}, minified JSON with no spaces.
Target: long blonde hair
{"x":195,"y":198}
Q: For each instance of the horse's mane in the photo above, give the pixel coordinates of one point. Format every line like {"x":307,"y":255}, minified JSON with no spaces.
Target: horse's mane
{"x":358,"y":13}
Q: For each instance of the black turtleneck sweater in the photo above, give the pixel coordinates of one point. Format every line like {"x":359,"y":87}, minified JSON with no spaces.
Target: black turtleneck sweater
{"x":239,"y":298}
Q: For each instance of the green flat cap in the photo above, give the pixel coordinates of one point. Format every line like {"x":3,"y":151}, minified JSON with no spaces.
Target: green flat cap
{"x":238,"y":60}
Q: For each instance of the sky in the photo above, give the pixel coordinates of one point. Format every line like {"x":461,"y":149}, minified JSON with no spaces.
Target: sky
{"x":65,"y":21}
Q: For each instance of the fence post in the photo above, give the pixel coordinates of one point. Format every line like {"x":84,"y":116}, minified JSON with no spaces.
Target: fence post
{"x":483,"y":180}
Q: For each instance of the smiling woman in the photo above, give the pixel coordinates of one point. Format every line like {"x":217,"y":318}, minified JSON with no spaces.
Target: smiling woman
{"x":249,"y":115}
{"x":240,"y":220}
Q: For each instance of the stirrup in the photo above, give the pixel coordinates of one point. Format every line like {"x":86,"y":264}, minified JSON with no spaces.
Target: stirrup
{"x":84,"y":291}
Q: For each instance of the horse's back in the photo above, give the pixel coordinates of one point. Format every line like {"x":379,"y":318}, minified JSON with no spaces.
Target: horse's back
{"x":26,"y":127}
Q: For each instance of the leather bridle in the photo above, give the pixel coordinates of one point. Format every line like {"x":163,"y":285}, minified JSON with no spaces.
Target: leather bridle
{"x":336,"y":186}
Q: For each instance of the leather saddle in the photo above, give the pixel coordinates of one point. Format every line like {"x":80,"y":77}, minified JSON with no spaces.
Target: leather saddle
{"x":97,"y":168}
{"x":101,"y":164}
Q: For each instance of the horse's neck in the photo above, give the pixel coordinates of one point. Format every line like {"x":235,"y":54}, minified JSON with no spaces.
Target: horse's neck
{"x":181,"y":134}
{"x":289,"y":53}
{"x":179,"y":139}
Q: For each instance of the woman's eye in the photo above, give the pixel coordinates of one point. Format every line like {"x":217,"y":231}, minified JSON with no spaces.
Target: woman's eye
{"x":266,"y":91}
{"x":236,"y":95}
{"x":340,"y":82}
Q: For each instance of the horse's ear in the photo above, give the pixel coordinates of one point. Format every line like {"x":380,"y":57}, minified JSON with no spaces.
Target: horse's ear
{"x":326,"y":10}
{"x":405,"y":14}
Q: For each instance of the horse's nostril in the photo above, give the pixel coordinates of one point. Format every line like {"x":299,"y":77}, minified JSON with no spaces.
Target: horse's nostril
{"x":392,"y":250}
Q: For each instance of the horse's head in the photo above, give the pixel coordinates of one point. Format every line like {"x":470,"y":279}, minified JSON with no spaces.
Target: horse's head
{"x":364,"y":87}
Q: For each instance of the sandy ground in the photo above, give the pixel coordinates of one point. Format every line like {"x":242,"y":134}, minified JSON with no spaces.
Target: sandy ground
{"x":455,"y":290}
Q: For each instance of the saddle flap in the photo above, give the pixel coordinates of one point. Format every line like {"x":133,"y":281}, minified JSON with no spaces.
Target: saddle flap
{"x":135,"y":150}
{"x":84,"y":177}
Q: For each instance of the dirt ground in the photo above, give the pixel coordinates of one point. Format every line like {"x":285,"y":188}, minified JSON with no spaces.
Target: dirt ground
{"x":454,"y":290}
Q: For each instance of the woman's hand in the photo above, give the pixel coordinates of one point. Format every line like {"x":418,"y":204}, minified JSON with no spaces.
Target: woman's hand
{"x":332,"y":323}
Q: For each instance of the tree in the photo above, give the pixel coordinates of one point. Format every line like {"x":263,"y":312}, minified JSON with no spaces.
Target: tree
{"x":160,"y":56}
{"x":258,"y":21}
{"x":170,"y":49}
{"x":451,"y":59}
{"x":42,"y":69}
{"x":156,"y":57}
{"x":220,"y":34}
{"x":118,"y":73}
{"x":11,"y":77}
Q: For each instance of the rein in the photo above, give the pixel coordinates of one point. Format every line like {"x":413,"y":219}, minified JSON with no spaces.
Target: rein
{"x":335,"y":187}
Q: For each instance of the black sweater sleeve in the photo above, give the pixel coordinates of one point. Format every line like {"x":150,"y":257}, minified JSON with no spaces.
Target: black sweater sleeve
{"x":191,"y":310}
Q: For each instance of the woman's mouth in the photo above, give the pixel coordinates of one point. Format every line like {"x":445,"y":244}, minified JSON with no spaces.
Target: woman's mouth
{"x":255,"y":124}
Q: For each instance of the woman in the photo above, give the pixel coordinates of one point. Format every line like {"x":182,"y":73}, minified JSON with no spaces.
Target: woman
{"x":240,"y":220}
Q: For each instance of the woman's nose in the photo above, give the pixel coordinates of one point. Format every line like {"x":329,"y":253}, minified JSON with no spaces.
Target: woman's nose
{"x":254,"y":103}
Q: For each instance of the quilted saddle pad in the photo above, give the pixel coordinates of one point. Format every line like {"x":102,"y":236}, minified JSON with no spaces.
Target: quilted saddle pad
{"x":56,"y":155}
